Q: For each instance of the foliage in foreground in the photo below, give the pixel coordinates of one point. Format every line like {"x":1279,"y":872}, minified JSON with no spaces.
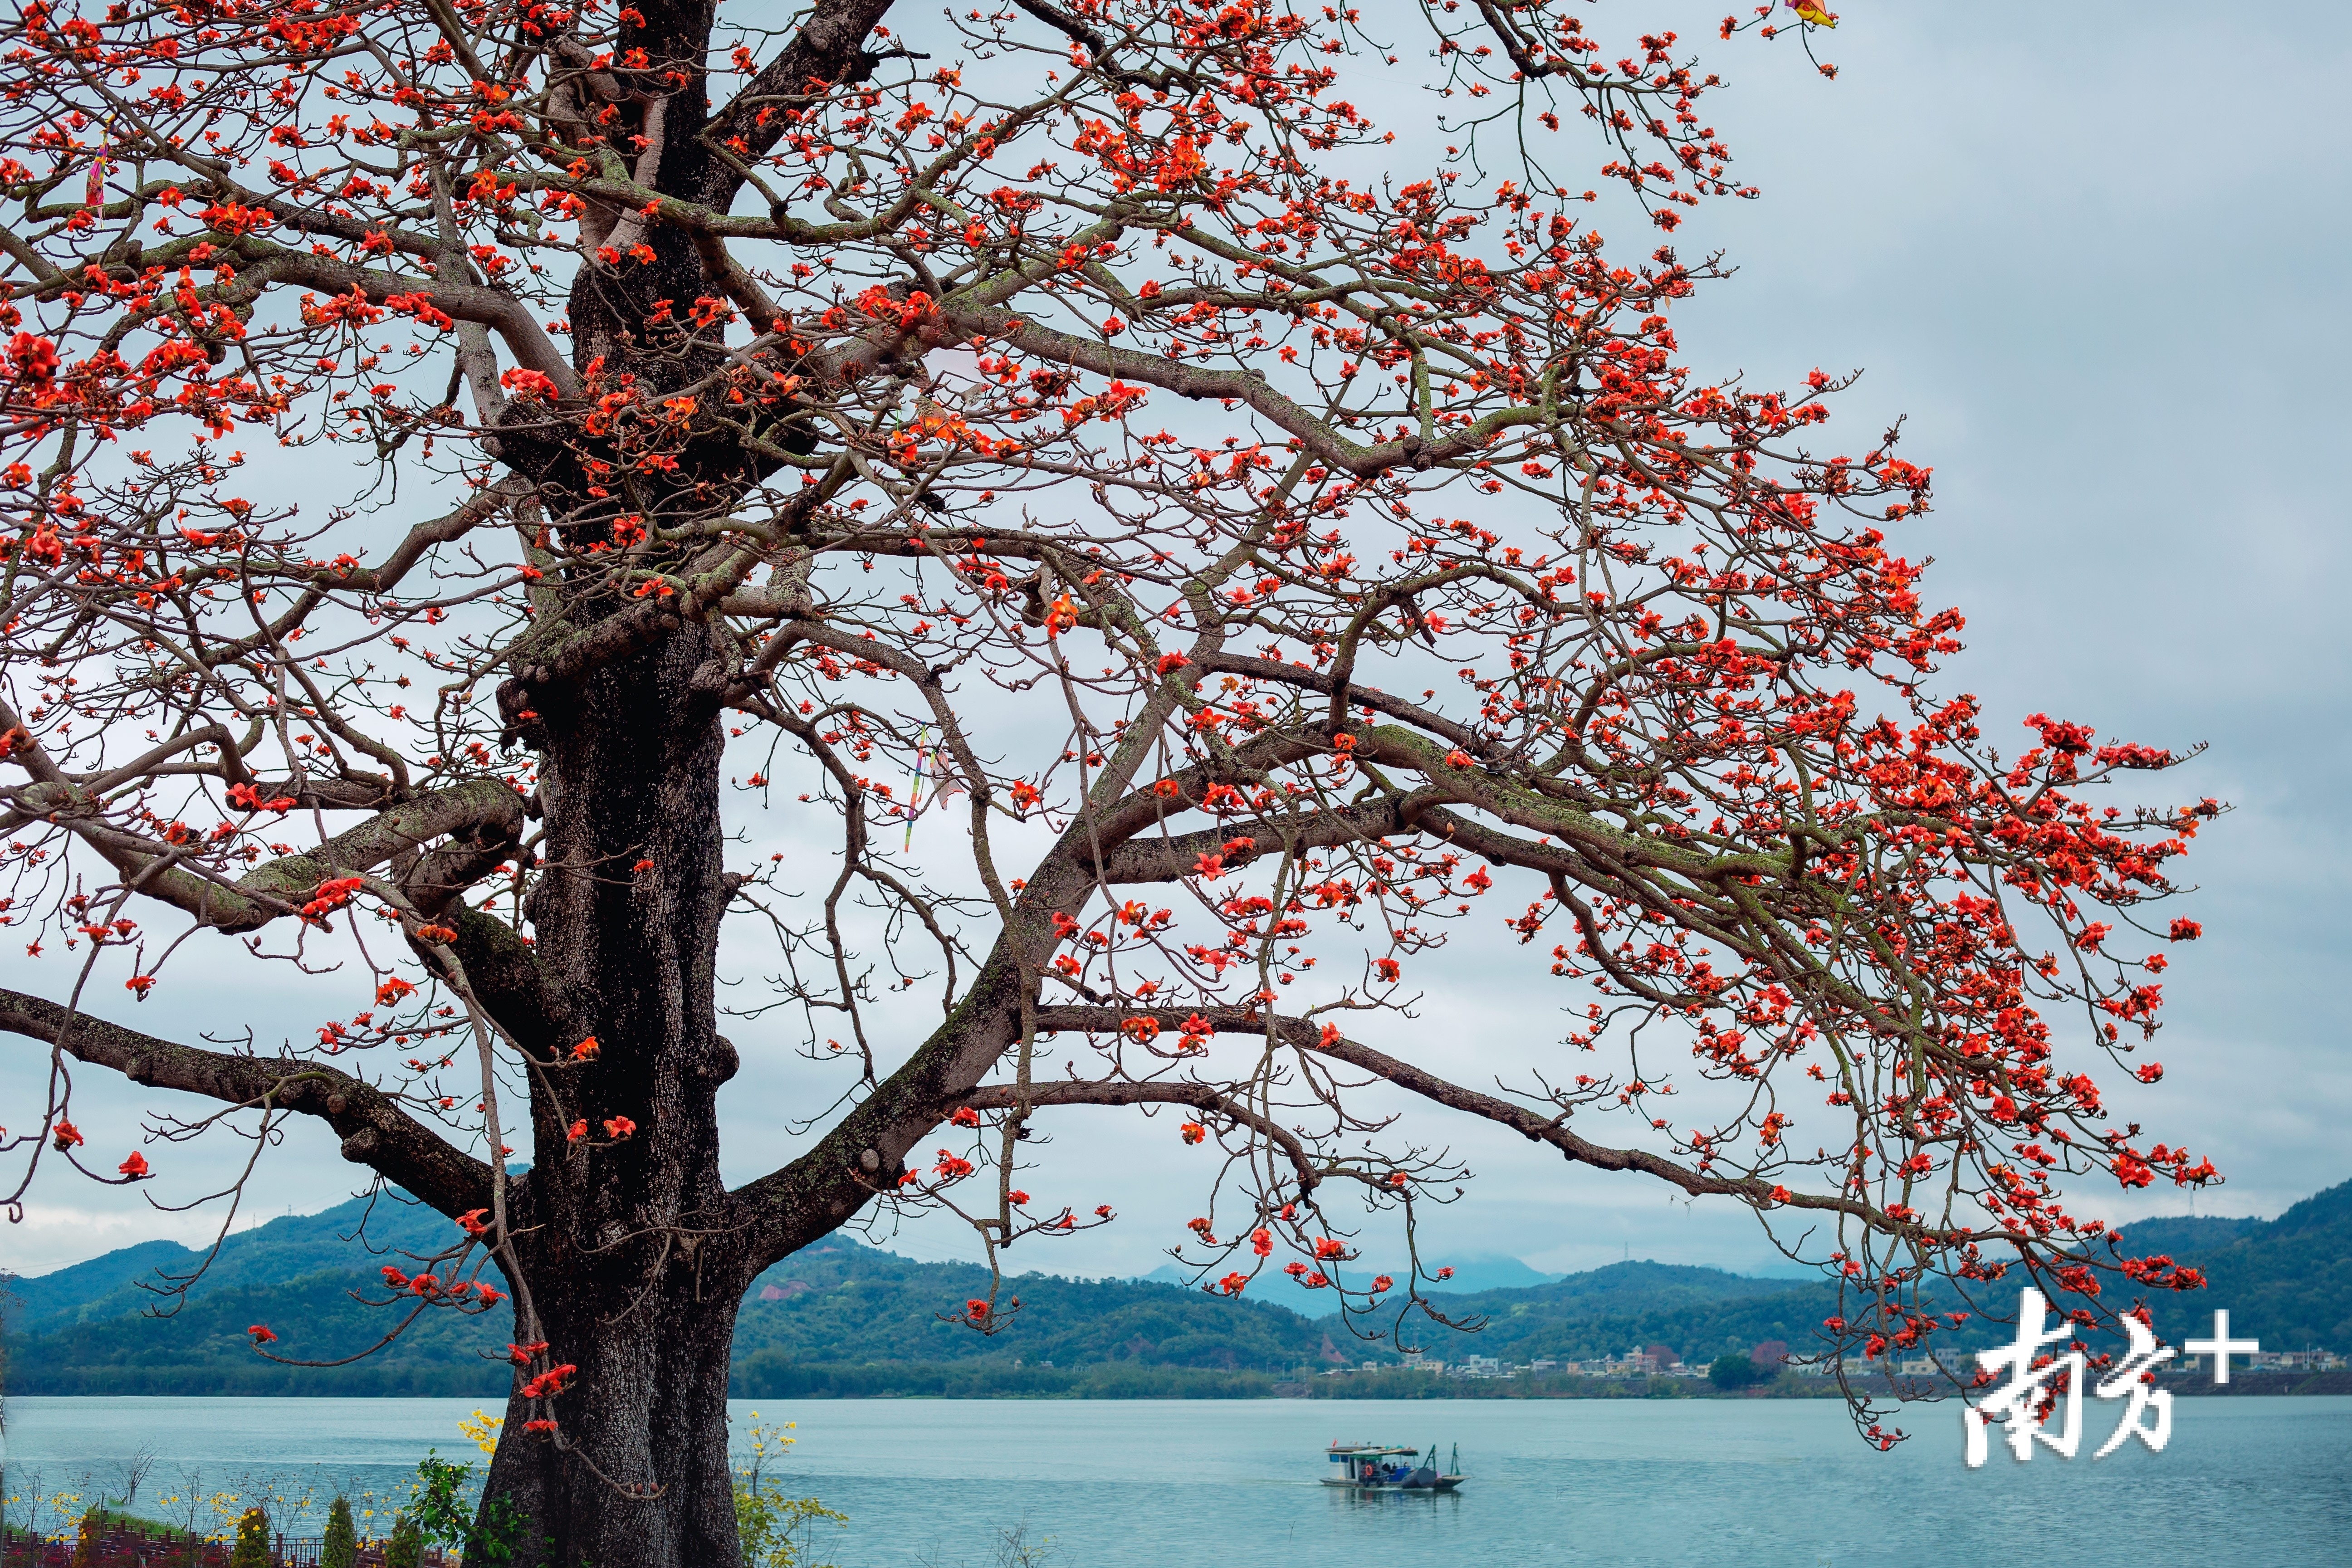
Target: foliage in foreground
{"x":777,"y":1531}
{"x":340,"y":1546}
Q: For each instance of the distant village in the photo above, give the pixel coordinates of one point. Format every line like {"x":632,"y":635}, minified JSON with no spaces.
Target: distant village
{"x":1653,"y":1360}
{"x":1773,"y":1358}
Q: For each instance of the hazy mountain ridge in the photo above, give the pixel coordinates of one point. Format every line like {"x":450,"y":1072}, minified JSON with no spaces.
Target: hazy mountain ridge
{"x":291,"y":1246}
{"x":1478,"y":1272}
{"x":841,"y":1304}
{"x":2287,"y":1281}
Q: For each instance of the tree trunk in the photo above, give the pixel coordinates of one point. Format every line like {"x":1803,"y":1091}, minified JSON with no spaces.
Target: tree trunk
{"x":648,"y":1410}
{"x":629,"y":1215}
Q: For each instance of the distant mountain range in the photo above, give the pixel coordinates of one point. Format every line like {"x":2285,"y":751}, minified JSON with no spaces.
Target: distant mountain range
{"x":848,"y":1318}
{"x":1478,"y":1272}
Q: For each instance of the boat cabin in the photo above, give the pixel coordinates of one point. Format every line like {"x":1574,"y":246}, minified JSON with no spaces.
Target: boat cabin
{"x":1373,"y":1464}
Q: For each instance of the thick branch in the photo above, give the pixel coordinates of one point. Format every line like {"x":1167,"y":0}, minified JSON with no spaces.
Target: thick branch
{"x":508,"y":981}
{"x":1173,"y":858}
{"x":486,"y":812}
{"x":1164,"y":1091}
{"x":828,"y":50}
{"x":374,"y":1130}
{"x":493,"y":307}
{"x":1316,"y":435}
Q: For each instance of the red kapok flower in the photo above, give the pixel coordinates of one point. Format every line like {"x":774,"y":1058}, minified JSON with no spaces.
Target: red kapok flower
{"x":262,"y":1334}
{"x":66,"y":1136}
{"x":135,"y":1167}
{"x":619,"y":1126}
{"x":34,"y":358}
{"x":549,"y":1383}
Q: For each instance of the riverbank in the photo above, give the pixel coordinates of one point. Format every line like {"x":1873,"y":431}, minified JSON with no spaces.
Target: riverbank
{"x":769,"y":1376}
{"x":995,"y":1379}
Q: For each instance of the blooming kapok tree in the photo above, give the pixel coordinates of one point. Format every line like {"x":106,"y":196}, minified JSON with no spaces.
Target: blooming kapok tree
{"x":1061,"y":420}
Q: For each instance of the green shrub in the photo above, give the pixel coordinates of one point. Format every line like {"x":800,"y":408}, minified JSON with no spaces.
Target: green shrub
{"x":342,"y":1547}
{"x":406,"y":1545}
{"x":775,"y":1529}
{"x":252,"y":1540}
{"x":494,"y":1536}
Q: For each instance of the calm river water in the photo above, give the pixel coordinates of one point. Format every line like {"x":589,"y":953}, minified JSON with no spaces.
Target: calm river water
{"x":1162,"y":1484}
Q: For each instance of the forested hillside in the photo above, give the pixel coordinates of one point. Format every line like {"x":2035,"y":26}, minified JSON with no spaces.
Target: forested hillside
{"x":843,"y":1317}
{"x":2287,"y":1281}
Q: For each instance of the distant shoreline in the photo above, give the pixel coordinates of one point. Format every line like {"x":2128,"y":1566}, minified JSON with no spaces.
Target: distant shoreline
{"x":991,"y":1380}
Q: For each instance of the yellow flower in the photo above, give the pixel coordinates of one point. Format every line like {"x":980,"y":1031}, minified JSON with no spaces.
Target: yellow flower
{"x":483,"y":1429}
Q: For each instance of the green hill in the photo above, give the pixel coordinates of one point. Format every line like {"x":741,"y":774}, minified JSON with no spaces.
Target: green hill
{"x":1699,"y":1312}
{"x":203,"y":1349}
{"x":104,"y":1326}
{"x":840,"y":1302}
{"x":2287,"y":1281}
{"x":845,"y":1318}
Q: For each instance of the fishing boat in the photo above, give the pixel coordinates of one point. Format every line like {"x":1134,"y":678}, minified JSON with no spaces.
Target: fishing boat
{"x":1377,"y":1467}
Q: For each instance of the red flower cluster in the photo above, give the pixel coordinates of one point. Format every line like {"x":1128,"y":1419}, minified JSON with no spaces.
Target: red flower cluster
{"x":549,"y":1383}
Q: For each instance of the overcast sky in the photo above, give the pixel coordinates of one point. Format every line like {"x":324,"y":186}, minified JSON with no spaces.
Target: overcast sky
{"x":2091,"y":252}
